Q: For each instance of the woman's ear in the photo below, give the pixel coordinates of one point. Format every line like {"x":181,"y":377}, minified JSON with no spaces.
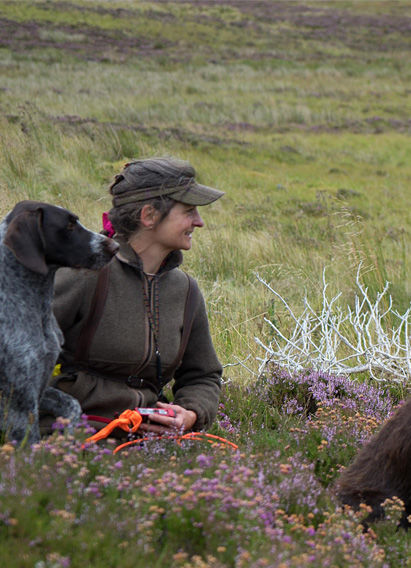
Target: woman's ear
{"x":149,"y":216}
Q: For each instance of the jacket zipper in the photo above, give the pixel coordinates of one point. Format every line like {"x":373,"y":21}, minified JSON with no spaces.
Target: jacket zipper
{"x":149,"y":350}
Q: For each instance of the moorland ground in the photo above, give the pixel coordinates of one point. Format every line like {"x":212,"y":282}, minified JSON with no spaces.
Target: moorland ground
{"x":299,"y":111}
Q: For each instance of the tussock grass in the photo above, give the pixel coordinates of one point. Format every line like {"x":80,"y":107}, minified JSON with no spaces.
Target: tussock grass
{"x":294,"y":204}
{"x":300,"y":113}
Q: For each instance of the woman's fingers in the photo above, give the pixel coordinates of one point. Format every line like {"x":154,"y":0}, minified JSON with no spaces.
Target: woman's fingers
{"x":181,"y":421}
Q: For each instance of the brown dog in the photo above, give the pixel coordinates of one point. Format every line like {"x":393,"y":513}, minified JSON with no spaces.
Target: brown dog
{"x":382,"y":469}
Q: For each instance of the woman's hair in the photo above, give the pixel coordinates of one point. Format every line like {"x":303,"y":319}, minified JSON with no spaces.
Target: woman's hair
{"x":126,"y":219}
{"x":141,"y":177}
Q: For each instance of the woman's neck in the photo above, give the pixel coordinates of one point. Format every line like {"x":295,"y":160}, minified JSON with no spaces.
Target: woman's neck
{"x":151,"y":255}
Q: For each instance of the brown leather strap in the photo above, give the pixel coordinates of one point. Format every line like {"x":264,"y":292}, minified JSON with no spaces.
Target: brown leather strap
{"x":130,"y":380}
{"x":94,"y":316}
{"x":96,"y":311}
{"x":189,"y":312}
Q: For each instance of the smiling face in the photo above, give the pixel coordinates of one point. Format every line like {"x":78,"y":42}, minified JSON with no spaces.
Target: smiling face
{"x":175,"y":231}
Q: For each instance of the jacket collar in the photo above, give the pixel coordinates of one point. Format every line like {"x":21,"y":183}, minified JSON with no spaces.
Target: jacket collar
{"x":127,"y":255}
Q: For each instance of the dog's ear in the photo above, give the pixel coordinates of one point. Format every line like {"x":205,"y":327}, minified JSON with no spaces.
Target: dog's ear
{"x":24,"y":237}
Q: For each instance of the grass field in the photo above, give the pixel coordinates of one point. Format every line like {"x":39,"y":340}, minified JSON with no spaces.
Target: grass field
{"x":300,"y":112}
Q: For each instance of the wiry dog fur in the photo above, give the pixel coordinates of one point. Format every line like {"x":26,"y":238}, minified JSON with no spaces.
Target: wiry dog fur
{"x":382,"y":468}
{"x":35,"y":239}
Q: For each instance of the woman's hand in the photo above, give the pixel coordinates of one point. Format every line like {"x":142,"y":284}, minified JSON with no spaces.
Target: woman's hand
{"x":182,"y":421}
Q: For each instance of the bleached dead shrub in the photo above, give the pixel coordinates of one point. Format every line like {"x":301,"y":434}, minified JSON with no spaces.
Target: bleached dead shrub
{"x":370,"y":337}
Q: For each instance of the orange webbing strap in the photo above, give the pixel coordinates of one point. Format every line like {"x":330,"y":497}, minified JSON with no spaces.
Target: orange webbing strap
{"x":129,"y":420}
{"x":210,"y":438}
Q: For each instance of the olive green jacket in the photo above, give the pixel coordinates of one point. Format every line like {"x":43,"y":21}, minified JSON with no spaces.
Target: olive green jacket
{"x":123,"y":343}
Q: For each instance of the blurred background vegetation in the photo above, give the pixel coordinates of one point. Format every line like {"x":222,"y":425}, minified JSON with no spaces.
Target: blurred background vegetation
{"x":299,"y":111}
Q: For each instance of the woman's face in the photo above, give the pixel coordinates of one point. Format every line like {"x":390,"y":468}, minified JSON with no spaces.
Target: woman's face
{"x":175,"y":231}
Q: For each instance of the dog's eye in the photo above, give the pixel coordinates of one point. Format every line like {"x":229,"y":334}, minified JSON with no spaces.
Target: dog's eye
{"x":72,"y":223}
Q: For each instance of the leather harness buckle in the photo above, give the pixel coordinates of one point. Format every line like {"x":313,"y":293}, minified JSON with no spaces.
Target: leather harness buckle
{"x":134,"y":382}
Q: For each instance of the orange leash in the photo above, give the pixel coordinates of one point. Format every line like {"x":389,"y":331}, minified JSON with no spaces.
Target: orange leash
{"x":130,"y":421}
{"x":210,"y":438}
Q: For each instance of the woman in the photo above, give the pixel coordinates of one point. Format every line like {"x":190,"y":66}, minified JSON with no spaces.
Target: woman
{"x":141,"y":321}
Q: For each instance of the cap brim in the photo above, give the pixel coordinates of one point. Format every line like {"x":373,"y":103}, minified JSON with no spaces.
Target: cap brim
{"x":197,"y":194}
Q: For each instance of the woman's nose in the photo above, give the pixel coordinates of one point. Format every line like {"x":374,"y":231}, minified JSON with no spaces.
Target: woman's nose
{"x":197,"y":221}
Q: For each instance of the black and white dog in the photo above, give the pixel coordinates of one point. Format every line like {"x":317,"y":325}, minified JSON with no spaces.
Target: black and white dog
{"x":35,"y":239}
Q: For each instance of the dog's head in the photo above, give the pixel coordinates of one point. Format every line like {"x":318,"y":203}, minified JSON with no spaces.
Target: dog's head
{"x":41,"y":235}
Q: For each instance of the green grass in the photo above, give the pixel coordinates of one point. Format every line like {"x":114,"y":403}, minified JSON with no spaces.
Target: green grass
{"x":298,"y":111}
{"x":307,"y":136}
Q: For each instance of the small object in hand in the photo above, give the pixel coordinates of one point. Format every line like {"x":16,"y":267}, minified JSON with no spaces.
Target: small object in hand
{"x":147,"y":413}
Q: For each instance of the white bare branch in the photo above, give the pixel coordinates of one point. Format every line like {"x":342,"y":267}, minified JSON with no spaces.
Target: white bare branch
{"x":370,"y":337}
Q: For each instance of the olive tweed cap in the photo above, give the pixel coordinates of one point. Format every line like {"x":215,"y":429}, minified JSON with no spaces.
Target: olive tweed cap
{"x":142,"y":180}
